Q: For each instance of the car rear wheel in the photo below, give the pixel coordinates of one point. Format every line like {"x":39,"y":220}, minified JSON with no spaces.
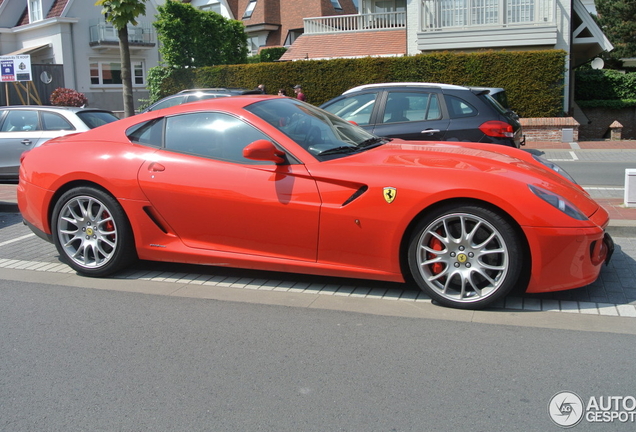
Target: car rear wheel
{"x":465,"y":257}
{"x":91,"y":232}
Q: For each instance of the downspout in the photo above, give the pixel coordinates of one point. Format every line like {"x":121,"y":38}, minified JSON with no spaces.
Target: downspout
{"x":73,"y":57}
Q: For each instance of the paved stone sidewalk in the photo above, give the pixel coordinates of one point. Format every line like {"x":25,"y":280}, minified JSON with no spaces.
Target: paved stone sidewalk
{"x":613,"y":294}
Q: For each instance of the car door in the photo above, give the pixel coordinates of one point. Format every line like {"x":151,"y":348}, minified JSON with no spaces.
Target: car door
{"x":216,"y":199}
{"x":412,"y":115}
{"x":19,"y":132}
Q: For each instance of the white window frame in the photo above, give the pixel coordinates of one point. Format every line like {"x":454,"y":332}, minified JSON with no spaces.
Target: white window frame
{"x":249,"y":9}
{"x":461,"y":13}
{"x":138,"y":71}
{"x":35,"y":11}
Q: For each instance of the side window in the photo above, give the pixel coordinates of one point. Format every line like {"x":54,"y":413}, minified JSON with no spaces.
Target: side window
{"x":416,"y":106}
{"x":55,"y":122}
{"x":212,"y":135}
{"x":177,"y":100}
{"x":356,"y":108}
{"x":20,"y":121}
{"x":200,"y":97}
{"x":149,"y":133}
{"x":459,"y":108}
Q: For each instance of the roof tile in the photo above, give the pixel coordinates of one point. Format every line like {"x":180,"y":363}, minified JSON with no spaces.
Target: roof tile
{"x":338,"y":45}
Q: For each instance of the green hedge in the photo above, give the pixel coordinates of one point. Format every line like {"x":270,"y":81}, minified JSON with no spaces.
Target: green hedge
{"x":533,"y":79}
{"x":605,"y":89}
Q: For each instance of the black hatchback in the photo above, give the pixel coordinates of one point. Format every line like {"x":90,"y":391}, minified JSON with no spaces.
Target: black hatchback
{"x":433,"y":112}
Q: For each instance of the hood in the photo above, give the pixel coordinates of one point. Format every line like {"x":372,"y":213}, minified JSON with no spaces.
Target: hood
{"x":494,"y":167}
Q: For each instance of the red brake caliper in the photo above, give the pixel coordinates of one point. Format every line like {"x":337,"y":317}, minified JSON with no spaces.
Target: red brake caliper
{"x":109,"y":226}
{"x":435,"y":244}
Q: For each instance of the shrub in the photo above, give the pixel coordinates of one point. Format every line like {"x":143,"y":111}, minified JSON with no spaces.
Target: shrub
{"x":67,"y":97}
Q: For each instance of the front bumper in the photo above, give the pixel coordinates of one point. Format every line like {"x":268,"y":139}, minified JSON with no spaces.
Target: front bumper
{"x":566,"y":258}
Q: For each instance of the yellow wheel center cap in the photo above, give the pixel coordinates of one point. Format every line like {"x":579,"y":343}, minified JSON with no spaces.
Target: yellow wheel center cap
{"x":462,"y":258}
{"x":89,"y":231}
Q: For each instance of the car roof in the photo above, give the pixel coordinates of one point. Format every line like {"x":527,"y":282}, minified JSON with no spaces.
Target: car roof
{"x":53,"y":108}
{"x":406,"y":84}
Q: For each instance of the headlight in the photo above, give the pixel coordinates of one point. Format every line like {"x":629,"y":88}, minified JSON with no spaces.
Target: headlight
{"x":558,"y":202}
{"x":554,"y":167}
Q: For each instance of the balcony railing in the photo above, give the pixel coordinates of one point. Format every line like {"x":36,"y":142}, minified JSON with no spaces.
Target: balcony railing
{"x":142,"y":34}
{"x":447,"y":14}
{"x":352,"y":23}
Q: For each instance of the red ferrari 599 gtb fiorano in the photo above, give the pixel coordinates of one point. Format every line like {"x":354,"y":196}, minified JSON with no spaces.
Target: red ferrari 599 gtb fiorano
{"x":272,"y":183}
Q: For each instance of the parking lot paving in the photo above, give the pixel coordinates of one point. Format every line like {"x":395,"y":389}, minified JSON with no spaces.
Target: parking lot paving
{"x":613,"y":294}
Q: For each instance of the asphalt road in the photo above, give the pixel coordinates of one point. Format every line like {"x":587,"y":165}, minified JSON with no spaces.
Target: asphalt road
{"x":593,"y":167}
{"x":77,"y":359}
{"x":598,"y":173}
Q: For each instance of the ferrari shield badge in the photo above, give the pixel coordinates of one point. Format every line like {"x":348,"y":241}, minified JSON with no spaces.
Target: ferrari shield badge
{"x":389,"y":194}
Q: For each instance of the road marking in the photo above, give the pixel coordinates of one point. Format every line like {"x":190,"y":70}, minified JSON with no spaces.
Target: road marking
{"x":573,"y":159}
{"x":16,"y":239}
{"x":604,"y":188}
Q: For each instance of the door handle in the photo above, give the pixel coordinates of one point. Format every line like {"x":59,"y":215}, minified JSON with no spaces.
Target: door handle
{"x":26,"y":142}
{"x":156,"y":167}
{"x":431,"y":131}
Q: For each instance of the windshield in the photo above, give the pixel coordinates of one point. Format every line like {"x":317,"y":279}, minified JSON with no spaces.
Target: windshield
{"x":322,"y":134}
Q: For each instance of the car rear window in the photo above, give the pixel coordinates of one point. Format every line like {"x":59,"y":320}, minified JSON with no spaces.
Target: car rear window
{"x":93,"y":119}
{"x":490,"y":100}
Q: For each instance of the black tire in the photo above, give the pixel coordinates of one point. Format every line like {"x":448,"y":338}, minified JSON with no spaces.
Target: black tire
{"x":466,"y":256}
{"x":92,"y":233}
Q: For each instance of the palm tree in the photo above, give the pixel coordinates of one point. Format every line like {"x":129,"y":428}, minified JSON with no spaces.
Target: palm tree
{"x":120,"y":13}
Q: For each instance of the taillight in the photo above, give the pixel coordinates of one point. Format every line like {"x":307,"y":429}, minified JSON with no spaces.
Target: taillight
{"x":497,"y":129}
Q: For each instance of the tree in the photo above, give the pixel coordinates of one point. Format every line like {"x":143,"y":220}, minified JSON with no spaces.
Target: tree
{"x":193,"y":38}
{"x":120,"y":13}
{"x":617,"y":19}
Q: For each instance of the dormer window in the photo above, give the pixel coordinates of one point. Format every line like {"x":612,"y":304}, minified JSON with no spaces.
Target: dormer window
{"x":336,"y":4}
{"x":35,"y":10}
{"x":249,"y":9}
{"x":214,"y":7}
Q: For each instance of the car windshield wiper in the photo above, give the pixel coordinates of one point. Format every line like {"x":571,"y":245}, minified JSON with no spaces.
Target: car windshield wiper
{"x":338,"y":150}
{"x":373,"y":141}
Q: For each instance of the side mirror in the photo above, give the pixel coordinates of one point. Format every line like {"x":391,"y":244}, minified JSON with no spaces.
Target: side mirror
{"x":264,"y":150}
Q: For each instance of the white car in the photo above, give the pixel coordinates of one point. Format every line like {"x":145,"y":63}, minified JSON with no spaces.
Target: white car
{"x":25,"y":127}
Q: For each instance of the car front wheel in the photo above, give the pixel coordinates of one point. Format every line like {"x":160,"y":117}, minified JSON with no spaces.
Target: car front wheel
{"x":91,"y":232}
{"x":465,"y":257}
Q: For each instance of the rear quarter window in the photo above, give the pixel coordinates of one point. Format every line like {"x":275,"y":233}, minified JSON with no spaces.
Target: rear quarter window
{"x":459,"y":108}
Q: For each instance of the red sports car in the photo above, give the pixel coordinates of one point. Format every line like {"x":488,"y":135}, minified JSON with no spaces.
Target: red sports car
{"x":272,"y":183}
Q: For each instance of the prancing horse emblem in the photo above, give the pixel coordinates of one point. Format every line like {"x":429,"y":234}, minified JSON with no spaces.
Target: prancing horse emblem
{"x":389,"y":194}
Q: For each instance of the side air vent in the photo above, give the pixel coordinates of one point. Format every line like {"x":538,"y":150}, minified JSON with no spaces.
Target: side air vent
{"x":355,"y":196}
{"x":153,"y":217}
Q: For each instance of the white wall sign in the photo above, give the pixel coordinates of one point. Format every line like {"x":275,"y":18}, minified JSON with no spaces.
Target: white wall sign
{"x":15,"y":68}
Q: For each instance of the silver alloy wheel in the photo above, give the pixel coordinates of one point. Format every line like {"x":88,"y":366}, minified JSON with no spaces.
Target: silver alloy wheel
{"x":87,"y":232}
{"x":462,"y":257}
